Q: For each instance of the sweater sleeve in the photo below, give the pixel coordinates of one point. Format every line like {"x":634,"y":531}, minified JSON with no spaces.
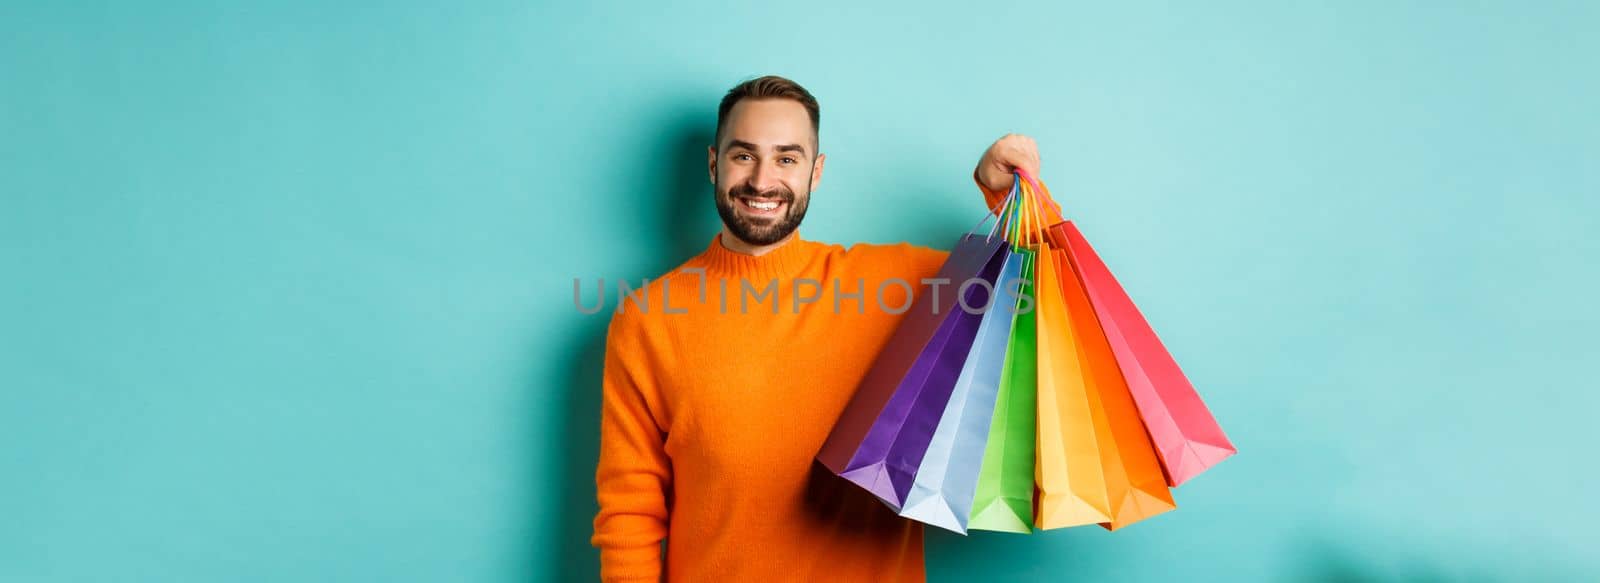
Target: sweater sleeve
{"x":991,"y":198}
{"x":634,"y":475}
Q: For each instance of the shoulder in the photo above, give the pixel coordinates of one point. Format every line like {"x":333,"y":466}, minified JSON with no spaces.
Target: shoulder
{"x":638,"y":305}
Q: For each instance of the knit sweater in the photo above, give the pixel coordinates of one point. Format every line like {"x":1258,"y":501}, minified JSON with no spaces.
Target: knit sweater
{"x":722,"y":379}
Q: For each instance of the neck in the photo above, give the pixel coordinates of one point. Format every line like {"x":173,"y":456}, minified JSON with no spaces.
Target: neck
{"x":737,"y":245}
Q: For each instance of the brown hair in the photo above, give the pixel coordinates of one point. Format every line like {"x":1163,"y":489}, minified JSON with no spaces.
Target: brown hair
{"x":769,"y":87}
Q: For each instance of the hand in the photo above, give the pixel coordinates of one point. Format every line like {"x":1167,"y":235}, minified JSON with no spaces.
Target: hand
{"x":1006,"y":155}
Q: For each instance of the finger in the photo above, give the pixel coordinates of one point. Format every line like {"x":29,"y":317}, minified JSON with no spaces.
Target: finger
{"x":1014,"y":157}
{"x":1026,"y":163}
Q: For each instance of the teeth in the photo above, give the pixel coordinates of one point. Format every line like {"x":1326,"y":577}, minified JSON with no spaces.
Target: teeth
{"x":766,"y":206}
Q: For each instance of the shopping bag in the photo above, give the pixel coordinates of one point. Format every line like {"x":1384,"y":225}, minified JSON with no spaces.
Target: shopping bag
{"x":1096,"y":465}
{"x":942,"y":489}
{"x":1186,"y":437}
{"x":929,"y":385}
{"x":1135,"y":487}
{"x":923,"y":356}
{"x":1071,"y":470}
{"x":1003,"y":499}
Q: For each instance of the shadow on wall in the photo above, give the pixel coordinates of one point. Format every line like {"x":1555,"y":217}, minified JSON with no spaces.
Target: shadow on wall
{"x":681,"y":223}
{"x":1326,"y":561}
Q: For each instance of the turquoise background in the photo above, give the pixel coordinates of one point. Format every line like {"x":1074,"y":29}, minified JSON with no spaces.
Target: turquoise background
{"x":285,"y":288}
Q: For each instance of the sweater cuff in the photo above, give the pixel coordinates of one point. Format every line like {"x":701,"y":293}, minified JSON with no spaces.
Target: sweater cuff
{"x":630,"y":564}
{"x":991,"y":199}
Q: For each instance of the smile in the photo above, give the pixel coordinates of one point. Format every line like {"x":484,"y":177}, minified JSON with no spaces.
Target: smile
{"x":762,"y":207}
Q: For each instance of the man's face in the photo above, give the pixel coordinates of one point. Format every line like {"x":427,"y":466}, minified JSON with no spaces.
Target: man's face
{"x":762,"y":170}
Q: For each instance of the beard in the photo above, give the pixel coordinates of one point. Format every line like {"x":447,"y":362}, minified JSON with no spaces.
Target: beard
{"x":760,"y":230}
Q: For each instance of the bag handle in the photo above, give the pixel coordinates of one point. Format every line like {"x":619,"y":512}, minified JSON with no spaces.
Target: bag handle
{"x":1029,"y":227}
{"x":1038,"y":207}
{"x":1043,"y":191}
{"x":1019,"y":217}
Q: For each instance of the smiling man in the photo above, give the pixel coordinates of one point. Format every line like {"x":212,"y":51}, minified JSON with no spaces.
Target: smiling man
{"x":716,"y":401}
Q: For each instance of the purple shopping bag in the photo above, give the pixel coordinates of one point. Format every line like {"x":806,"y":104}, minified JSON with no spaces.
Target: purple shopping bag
{"x":883,"y":433}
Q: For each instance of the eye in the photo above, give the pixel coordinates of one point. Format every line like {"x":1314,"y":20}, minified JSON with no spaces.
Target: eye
{"x":788,"y":160}
{"x":741,"y":157}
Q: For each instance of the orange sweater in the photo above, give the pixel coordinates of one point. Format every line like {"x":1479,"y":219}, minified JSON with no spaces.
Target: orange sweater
{"x":714,"y":408}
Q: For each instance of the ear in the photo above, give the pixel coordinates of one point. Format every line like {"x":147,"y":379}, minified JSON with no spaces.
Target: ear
{"x":711,"y":162}
{"x":816,"y":173}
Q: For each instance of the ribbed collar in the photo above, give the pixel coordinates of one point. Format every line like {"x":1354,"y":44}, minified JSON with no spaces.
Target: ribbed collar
{"x":785,"y":261}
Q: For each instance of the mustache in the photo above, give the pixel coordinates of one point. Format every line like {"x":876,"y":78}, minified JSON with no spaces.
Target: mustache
{"x":780,"y":193}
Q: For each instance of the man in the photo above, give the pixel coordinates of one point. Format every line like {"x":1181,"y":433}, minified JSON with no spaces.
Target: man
{"x":723,"y":378}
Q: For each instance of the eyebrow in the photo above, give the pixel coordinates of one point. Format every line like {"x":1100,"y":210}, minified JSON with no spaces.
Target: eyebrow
{"x":780,"y":147}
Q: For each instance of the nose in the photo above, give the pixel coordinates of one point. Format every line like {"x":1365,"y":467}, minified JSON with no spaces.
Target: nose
{"x":765,"y":178}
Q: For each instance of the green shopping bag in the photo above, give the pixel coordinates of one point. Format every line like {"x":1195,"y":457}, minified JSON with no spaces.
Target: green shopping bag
{"x":1004,"y":498}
